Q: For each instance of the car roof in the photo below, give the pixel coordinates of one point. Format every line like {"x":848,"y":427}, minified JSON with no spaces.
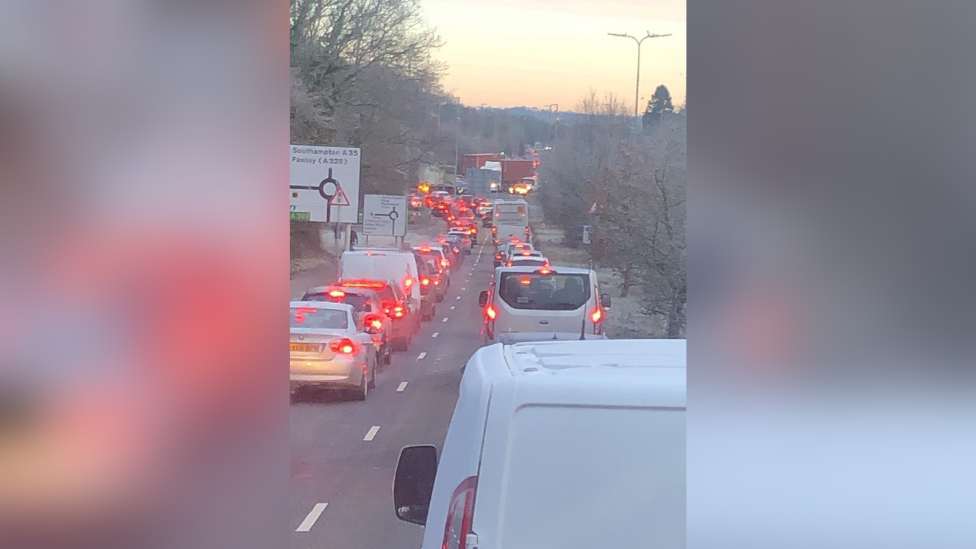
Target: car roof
{"x":338,"y":286}
{"x":556,"y":269}
{"x":323,"y":305}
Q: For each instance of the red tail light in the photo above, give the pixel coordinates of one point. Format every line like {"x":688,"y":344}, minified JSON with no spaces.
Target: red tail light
{"x":375,"y":321}
{"x":344,"y":346}
{"x":408,"y":282}
{"x":398,"y":311}
{"x":490,"y":311}
{"x":509,"y":264}
{"x":337,"y":293}
{"x":596,"y":315}
{"x":445,"y":263}
{"x":374,"y":284}
{"x":462,"y":503}
{"x":425,"y":281}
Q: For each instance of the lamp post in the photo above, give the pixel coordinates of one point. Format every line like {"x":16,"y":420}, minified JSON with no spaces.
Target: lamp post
{"x":553,"y":109}
{"x":639,"y":43}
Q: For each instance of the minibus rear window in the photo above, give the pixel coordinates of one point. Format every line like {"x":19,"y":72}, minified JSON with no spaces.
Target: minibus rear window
{"x":552,"y":292}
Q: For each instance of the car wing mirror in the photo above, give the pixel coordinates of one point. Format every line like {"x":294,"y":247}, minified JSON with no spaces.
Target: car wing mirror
{"x":413,"y":483}
{"x":605,"y":300}
{"x":483,"y":298}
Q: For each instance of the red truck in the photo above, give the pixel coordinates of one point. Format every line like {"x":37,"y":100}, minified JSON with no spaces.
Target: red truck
{"x":478,"y":160}
{"x":514,"y":171}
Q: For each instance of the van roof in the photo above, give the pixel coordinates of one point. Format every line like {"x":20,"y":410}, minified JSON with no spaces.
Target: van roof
{"x":591,"y":371}
{"x":556,"y":269}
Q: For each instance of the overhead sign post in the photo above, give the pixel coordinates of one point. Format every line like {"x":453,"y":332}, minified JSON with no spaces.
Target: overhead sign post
{"x":384,"y":215}
{"x":324,"y":183}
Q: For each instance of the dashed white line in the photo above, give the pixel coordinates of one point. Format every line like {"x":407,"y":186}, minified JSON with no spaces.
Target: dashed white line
{"x":445,"y":319}
{"x":458,"y":298}
{"x":403,"y":385}
{"x":312,"y":516}
{"x":371,"y":433}
{"x":462,"y":289}
{"x":453,"y":307}
{"x":435,"y":334}
{"x":422,"y":355}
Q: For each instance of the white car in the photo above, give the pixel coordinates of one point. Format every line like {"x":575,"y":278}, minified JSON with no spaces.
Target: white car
{"x":545,"y":301}
{"x":535,"y":259}
{"x":330,"y":349}
{"x":583,"y":446}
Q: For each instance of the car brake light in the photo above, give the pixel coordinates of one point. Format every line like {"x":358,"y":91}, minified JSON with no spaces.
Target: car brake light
{"x":462,"y":502}
{"x":437,"y":282}
{"x":398,"y":311}
{"x":425,"y":281}
{"x":337,"y":293}
{"x":490,"y":311}
{"x":509,"y":264}
{"x":408,"y":282}
{"x":596,"y":315}
{"x":525,"y":281}
{"x":545,"y":271}
{"x":445,"y":263}
{"x":374,"y":321}
{"x":343,"y":346}
{"x":375,"y":284}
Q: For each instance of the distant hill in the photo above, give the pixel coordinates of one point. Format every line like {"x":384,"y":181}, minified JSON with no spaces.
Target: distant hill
{"x":542,"y":114}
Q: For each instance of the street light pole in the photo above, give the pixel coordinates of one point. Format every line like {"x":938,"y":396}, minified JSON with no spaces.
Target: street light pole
{"x":555,"y":123}
{"x":639,"y":43}
{"x":457,"y":130}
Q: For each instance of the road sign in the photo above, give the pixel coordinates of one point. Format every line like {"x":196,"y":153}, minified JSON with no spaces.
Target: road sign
{"x":384,"y":215}
{"x":324,"y":183}
{"x":587,"y":230}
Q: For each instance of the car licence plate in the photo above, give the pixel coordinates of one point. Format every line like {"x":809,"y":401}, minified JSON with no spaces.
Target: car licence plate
{"x":305,"y":347}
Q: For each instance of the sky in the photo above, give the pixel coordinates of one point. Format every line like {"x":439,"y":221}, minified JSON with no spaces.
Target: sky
{"x":508,"y":53}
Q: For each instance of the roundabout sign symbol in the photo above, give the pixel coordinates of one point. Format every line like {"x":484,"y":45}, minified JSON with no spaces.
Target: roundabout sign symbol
{"x":329,"y":189}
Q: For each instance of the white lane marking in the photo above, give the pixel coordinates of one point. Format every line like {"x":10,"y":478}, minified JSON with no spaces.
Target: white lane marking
{"x":435,"y":334}
{"x":468,"y":280}
{"x":453,"y":307}
{"x":403,"y":385}
{"x":371,"y":433}
{"x":422,"y":355}
{"x":445,"y":319}
{"x":459,"y":298}
{"x":312,"y":516}
{"x":463,"y":289}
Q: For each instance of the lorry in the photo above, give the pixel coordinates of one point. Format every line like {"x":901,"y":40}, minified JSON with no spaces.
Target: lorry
{"x":513,"y":171}
{"x":483,"y":181}
{"x":478,"y":160}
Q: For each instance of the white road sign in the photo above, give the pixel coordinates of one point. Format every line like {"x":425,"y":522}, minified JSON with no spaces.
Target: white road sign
{"x":324,"y":183}
{"x":385,"y":215}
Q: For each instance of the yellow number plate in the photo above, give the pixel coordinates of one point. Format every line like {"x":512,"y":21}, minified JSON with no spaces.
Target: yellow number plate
{"x":305,"y":347}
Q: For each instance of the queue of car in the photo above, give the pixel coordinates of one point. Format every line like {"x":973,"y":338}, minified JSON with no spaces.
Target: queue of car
{"x":387,"y":293}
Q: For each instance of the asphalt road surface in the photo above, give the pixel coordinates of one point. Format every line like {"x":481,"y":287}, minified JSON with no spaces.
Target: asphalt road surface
{"x":343,"y":453}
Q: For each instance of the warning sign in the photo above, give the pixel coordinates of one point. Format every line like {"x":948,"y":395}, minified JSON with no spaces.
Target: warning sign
{"x":340,"y":198}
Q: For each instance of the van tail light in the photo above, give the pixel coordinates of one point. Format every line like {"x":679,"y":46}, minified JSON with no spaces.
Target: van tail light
{"x":408,"y":282}
{"x":398,"y":311}
{"x":425,"y":281}
{"x":596,"y":315}
{"x":490,"y":311}
{"x":462,"y":506}
{"x":344,"y":346}
{"x":445,"y":263}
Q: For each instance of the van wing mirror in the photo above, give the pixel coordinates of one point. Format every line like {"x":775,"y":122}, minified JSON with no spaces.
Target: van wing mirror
{"x":413,"y":483}
{"x":605,"y":300}
{"x":483,"y":298}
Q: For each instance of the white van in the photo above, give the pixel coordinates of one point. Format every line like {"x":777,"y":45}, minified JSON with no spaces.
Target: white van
{"x":583,"y":446}
{"x":546,"y":301}
{"x":384,"y":265}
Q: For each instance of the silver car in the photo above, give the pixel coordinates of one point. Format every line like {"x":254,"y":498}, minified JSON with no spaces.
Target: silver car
{"x":330,"y":349}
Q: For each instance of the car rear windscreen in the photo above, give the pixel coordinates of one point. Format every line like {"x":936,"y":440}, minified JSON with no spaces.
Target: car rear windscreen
{"x":319,"y":319}
{"x":549,"y":292}
{"x":529,"y":262}
{"x":358,"y":302}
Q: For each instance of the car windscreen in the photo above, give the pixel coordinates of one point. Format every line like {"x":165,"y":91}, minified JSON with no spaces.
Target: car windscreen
{"x":359,"y":302}
{"x":319,"y":319}
{"x":546,"y":292}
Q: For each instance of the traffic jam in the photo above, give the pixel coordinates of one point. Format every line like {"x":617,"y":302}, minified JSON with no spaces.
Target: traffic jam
{"x":428,"y":333}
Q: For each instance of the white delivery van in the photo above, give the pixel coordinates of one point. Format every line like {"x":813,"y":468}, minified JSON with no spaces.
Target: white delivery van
{"x":384,"y":265}
{"x":583,"y":445}
{"x":550,"y":300}
{"x":510,"y":219}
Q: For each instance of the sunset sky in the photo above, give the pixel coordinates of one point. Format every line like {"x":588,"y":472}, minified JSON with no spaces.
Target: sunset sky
{"x":507,"y":53}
